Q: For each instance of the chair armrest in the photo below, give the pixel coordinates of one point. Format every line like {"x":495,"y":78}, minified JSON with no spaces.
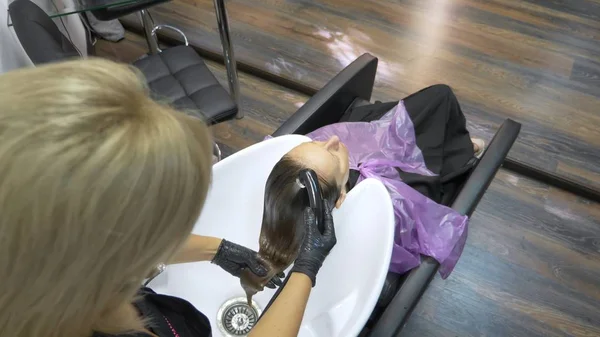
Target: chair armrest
{"x":483,"y":174}
{"x":329,"y":104}
{"x":397,"y":312}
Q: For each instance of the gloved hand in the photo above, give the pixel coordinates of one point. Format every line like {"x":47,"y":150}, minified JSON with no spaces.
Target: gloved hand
{"x":316,"y":246}
{"x":234,"y":258}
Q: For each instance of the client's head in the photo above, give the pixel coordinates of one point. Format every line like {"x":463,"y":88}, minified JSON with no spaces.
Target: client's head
{"x":282,"y":225}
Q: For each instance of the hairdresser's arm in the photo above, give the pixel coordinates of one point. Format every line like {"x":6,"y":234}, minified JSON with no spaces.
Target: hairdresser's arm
{"x":230,"y":256}
{"x":285,"y":314}
{"x":197,"y":248}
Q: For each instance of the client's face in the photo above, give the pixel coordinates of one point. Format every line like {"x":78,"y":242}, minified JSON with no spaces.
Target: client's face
{"x":328,"y":159}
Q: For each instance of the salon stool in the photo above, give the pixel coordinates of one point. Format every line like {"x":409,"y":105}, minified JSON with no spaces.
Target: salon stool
{"x":179,"y":77}
{"x":176,"y":76}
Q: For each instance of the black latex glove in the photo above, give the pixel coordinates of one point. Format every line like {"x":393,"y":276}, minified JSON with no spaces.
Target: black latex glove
{"x":234,"y":258}
{"x":316,"y":246}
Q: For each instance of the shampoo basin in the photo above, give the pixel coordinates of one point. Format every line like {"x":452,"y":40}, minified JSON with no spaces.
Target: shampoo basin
{"x":348,"y":284}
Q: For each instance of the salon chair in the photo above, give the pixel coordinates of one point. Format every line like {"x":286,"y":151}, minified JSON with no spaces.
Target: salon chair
{"x":353,"y":87}
{"x":177,"y":75}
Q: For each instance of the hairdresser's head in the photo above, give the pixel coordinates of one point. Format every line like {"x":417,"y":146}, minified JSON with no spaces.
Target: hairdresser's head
{"x":285,"y":201}
{"x":98,"y":184}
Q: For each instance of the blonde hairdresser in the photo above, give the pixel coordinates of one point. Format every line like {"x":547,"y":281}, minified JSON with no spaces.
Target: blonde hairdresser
{"x":98,"y":185}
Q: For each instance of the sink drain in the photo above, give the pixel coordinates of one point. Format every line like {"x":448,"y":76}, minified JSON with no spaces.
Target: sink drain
{"x":236,"y":317}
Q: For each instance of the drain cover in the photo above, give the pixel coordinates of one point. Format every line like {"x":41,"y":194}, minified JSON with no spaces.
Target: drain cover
{"x":236,"y":317}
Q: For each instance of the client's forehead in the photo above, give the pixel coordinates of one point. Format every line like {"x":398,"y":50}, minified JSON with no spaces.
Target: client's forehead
{"x":315,"y":157}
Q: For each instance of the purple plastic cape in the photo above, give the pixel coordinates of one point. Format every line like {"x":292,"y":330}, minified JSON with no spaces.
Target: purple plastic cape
{"x":422,"y":226}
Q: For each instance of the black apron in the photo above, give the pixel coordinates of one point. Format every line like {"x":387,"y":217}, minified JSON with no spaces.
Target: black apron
{"x":168,"y":316}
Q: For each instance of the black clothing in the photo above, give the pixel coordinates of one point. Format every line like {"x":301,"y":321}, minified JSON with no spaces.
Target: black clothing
{"x":442,"y":136}
{"x":167,"y":315}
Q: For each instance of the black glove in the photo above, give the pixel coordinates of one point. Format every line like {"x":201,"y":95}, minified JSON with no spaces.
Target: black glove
{"x":316,"y":246}
{"x":234,"y":258}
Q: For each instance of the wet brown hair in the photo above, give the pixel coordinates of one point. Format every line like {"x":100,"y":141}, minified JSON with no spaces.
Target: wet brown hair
{"x":283,"y":223}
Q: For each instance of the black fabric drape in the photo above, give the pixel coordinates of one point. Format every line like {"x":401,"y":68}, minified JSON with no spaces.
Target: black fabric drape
{"x":442,"y":136}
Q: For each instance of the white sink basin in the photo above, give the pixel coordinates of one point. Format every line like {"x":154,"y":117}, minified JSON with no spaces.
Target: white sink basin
{"x":351,"y":278}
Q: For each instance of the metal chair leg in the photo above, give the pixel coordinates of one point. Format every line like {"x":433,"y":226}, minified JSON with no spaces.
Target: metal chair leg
{"x":216,"y":153}
{"x":230,"y":65}
{"x":148,"y":25}
{"x":157,"y":271}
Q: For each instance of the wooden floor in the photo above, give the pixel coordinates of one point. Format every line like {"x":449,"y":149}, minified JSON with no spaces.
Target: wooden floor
{"x":531,"y":266}
{"x":537,"y":62}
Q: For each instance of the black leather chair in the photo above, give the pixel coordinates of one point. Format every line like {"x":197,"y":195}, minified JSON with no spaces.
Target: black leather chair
{"x":177,"y":75}
{"x":353,"y":87}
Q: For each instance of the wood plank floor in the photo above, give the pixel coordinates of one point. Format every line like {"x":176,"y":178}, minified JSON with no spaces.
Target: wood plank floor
{"x":531,"y":266}
{"x":537,"y":62}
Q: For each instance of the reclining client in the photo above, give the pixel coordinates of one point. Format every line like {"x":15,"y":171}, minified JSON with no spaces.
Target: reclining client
{"x":418,"y":147}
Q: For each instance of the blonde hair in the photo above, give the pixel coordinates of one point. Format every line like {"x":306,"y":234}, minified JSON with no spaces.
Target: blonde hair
{"x":98,"y":184}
